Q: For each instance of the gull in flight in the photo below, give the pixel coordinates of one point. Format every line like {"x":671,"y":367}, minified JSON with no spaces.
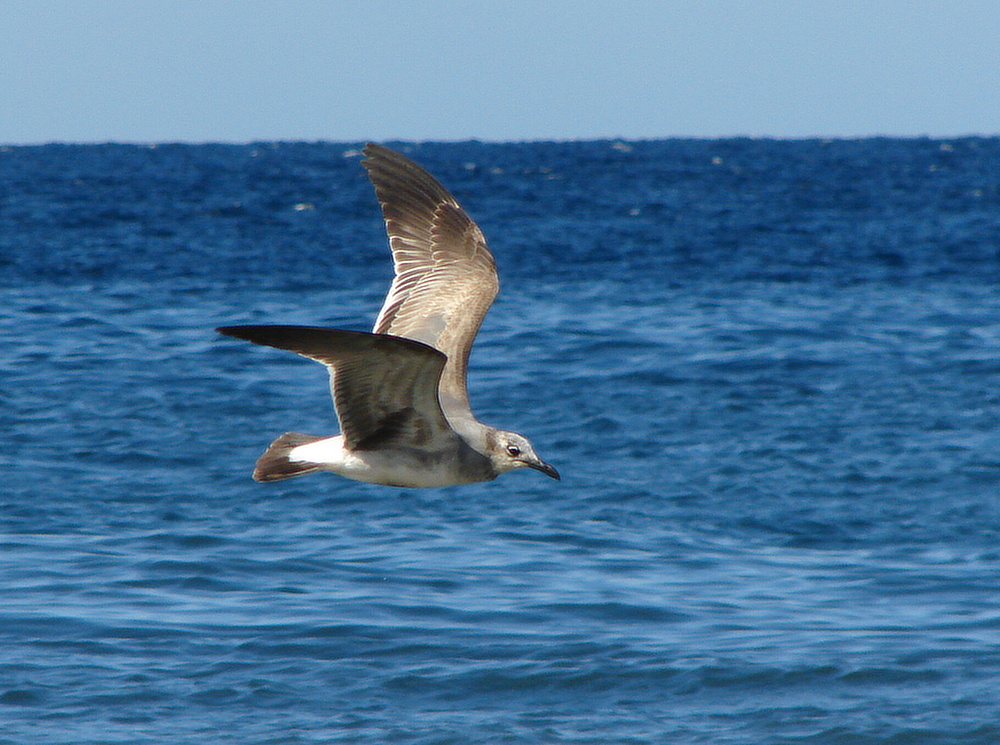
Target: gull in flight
{"x":400,"y":391}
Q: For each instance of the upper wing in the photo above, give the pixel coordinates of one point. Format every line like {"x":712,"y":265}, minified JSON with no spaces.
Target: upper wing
{"x":445,"y":279}
{"x":384,"y":387}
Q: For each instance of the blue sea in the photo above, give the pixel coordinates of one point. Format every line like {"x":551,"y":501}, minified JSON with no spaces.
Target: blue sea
{"x":768,"y":372}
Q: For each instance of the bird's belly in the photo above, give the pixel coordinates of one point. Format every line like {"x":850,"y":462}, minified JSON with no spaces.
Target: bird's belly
{"x":389,"y":467}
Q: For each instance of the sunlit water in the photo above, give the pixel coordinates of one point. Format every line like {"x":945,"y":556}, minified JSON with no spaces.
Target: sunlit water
{"x":769,"y":373}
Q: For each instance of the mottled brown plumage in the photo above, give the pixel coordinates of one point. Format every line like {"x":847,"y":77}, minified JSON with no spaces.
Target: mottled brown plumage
{"x":400,"y":392}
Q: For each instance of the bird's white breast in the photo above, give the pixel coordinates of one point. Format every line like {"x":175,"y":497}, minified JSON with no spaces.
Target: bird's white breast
{"x":389,"y":467}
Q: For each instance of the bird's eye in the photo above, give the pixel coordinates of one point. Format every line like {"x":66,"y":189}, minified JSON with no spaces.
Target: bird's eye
{"x":513,"y":451}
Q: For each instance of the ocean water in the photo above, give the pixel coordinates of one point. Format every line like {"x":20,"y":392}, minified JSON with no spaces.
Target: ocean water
{"x":768,"y":371}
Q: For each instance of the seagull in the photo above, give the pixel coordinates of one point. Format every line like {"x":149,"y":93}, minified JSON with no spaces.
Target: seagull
{"x":400,"y":392}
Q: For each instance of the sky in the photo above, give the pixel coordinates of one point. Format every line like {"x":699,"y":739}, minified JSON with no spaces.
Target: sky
{"x":495,"y":70}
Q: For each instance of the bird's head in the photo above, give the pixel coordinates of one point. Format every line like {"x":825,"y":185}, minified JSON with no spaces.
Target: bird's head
{"x":509,"y":450}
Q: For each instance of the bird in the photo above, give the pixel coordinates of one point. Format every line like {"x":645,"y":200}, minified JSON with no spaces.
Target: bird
{"x":400,"y":392}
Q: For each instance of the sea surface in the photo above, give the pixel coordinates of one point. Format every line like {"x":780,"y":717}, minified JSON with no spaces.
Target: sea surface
{"x":768,"y":372}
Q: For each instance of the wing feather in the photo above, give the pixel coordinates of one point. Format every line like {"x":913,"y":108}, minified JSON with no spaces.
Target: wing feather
{"x":384,"y":388}
{"x":445,"y":276}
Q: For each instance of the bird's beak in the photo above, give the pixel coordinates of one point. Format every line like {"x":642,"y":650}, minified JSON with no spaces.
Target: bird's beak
{"x":545,"y":468}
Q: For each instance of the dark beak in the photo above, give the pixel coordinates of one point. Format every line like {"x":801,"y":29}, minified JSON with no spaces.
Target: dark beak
{"x":544,"y":468}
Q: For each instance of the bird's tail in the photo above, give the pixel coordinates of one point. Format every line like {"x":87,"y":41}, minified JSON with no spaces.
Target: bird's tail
{"x":275,"y":465}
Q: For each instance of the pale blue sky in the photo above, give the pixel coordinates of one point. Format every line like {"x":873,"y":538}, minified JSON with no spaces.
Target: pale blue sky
{"x":346,"y":70}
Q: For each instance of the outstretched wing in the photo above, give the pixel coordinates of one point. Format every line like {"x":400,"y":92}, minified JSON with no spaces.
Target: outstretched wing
{"x":384,"y":388}
{"x":445,"y":277}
